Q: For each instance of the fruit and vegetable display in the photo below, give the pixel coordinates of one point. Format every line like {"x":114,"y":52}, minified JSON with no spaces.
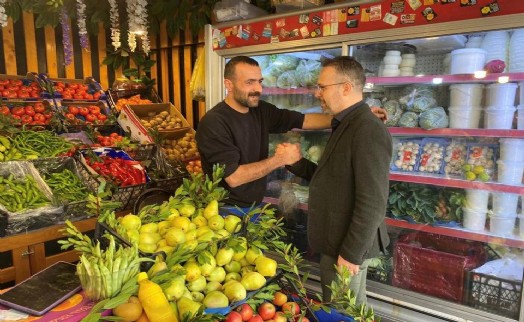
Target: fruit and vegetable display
{"x":161,"y":121}
{"x":40,"y":144}
{"x":182,"y":148}
{"x":31,"y":113}
{"x":66,"y":185}
{"x":85,"y":114}
{"x":133,"y":100}
{"x":76,"y":91}
{"x":194,"y":166}
{"x":121,"y":171}
{"x":20,"y":194}
{"x":19,"y":89}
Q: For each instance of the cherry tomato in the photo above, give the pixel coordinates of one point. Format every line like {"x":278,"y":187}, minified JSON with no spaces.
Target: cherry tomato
{"x":29,"y":110}
{"x":67,"y":96}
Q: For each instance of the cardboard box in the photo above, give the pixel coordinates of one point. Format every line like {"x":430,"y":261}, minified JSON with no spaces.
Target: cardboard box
{"x":129,"y":120}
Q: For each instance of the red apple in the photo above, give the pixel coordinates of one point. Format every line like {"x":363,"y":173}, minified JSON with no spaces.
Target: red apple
{"x":256,"y":318}
{"x":266,"y":311}
{"x":302,"y":319}
{"x":245,"y":311}
{"x":279,"y":298}
{"x":234,"y":316}
{"x":291,"y":307}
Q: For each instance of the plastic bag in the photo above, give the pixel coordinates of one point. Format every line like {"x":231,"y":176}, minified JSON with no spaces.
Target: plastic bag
{"x":288,"y":80}
{"x":412,"y":93}
{"x":422,"y":103}
{"x":197,"y":86}
{"x":408,"y":119}
{"x":433,"y":118}
{"x":307,"y":72}
{"x":394,"y":111}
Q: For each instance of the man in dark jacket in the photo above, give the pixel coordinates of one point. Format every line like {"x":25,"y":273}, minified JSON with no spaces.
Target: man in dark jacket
{"x":349,"y":187}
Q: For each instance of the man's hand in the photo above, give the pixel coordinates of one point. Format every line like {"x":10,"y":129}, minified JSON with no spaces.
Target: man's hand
{"x":380,"y":113}
{"x":288,"y":153}
{"x":353,"y":269}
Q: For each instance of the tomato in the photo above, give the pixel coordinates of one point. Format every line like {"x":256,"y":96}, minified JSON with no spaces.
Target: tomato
{"x":35,"y":93}
{"x":96,"y":95}
{"x":93,"y":109}
{"x":26,"y":119}
{"x":101,"y":117}
{"x":39,"y":117}
{"x":29,"y":110}
{"x":83,"y":111}
{"x":12,"y":95}
{"x":48,"y":114}
{"x":73,"y":110}
{"x":16,"y":82}
{"x":5,"y":110}
{"x":39,"y":107}
{"x":18,"y":110}
{"x":88,"y":96}
{"x":67,"y":96}
{"x":71,"y":117}
{"x":90,"y":118}
{"x":59,"y":84}
{"x":4,"y":82}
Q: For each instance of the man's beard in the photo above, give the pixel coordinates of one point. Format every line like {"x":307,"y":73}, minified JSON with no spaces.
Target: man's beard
{"x":245,"y":101}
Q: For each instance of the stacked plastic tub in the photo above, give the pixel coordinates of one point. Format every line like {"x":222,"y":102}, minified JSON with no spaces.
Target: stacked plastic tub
{"x":500,"y":105}
{"x":496,"y":43}
{"x":465,"y":108}
{"x":520,"y":108}
{"x":516,"y":52}
{"x":475,"y":209}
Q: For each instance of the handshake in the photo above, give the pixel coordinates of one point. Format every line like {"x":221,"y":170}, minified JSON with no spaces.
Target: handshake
{"x":287,"y":153}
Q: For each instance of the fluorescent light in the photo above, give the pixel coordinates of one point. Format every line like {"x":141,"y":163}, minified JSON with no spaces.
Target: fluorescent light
{"x":503,"y":79}
{"x":419,"y":75}
{"x":437,"y":80}
{"x":480,"y":74}
{"x":369,"y":85}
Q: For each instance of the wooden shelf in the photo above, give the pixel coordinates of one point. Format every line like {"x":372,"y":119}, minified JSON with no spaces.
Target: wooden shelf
{"x":459,"y":232}
{"x":397,"y":131}
{"x":455,"y":183}
{"x":443,"y":79}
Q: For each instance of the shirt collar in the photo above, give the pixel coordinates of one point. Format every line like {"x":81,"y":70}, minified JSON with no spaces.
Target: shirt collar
{"x":337,"y":118}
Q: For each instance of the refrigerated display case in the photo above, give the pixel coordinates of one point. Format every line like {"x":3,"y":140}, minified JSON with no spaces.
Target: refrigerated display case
{"x":454,"y":99}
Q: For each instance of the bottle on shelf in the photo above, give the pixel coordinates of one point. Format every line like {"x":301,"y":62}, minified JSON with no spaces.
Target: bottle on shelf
{"x":154,"y":301}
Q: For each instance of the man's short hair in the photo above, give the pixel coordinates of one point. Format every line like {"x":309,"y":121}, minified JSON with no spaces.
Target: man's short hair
{"x":349,"y":67}
{"x":229,"y":70}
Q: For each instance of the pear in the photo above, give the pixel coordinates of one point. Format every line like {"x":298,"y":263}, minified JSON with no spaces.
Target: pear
{"x":197,"y":296}
{"x":218,"y":274}
{"x":181,"y":222}
{"x":133,"y":236}
{"x":266,"y":266}
{"x":161,"y":243}
{"x":211,"y":209}
{"x":187,"y":293}
{"x":156,"y":268}
{"x":176,"y":288}
{"x":175,"y":236}
{"x":166,"y":249}
{"x":190,"y":244}
{"x":147,"y":238}
{"x":187,"y":307}
{"x":208,"y":265}
{"x":222,"y":234}
{"x":247,"y":269}
{"x":191,"y":226}
{"x":197,"y":285}
{"x":215,"y":299}
{"x":206,"y":237}
{"x":187,"y":210}
{"x":163,"y":226}
{"x":131,"y":222}
{"x":203,"y":230}
{"x":147,"y":248}
{"x":253,"y":281}
{"x":243,"y":262}
{"x":191,"y":235}
{"x":149,"y":228}
{"x":232,"y":223}
{"x":233,"y":267}
{"x":239,"y":254}
{"x":224,"y":256}
{"x":200,"y":221}
{"x":192,"y":271}
{"x":235,"y":291}
{"x":252,"y":254}
{"x":232,"y":276}
{"x":213,"y":286}
{"x":215,"y":222}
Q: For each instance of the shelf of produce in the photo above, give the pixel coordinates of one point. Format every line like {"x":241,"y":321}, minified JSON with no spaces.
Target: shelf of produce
{"x":413,"y":131}
{"x":455,"y":183}
{"x":459,"y":232}
{"x":445,"y":79}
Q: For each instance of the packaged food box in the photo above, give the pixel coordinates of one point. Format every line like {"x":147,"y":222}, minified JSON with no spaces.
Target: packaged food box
{"x":406,"y":155}
{"x":456,"y":153}
{"x":480,"y":162}
{"x":432,"y":155}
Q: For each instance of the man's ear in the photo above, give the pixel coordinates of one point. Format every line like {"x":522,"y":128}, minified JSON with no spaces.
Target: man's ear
{"x":228,"y":84}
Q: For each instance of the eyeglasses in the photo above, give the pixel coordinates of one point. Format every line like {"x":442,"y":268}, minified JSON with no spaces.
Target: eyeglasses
{"x":320,"y":88}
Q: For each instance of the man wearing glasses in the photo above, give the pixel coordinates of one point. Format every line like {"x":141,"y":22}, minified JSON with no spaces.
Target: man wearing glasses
{"x":235,"y":133}
{"x":349,"y":187}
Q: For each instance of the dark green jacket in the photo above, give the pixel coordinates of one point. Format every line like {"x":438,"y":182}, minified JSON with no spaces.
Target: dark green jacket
{"x":349,"y":188}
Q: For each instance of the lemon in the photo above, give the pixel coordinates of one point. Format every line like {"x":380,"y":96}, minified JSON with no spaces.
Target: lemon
{"x":470,"y":176}
{"x":484,"y":177}
{"x":466,"y":167}
{"x":478,"y":169}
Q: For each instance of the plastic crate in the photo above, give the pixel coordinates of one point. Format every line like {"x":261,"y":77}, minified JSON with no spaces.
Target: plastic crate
{"x":435,"y":265}
{"x":493,"y":294}
{"x":141,"y":152}
{"x":145,"y":93}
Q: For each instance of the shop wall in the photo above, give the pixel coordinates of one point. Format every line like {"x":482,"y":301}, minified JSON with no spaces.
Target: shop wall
{"x":24,"y":48}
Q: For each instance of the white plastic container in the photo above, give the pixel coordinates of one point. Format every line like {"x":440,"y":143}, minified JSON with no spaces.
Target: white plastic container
{"x":390,"y":72}
{"x":408,"y":60}
{"x":499,"y":117}
{"x":392,"y":60}
{"x":464,"y":117}
{"x":502,"y":226}
{"x":504,"y":203}
{"x":510,"y":172}
{"x":501,"y":94}
{"x":520,"y":117}
{"x":393,"y":53}
{"x":474,"y":220}
{"x":521,"y":224}
{"x":477,"y":199}
{"x":467,"y":60}
{"x":511,"y":149}
{"x":466,"y":94}
{"x":521,"y":93}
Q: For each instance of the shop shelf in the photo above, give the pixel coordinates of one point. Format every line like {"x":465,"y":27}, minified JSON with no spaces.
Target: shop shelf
{"x":414,"y":131}
{"x":455,"y":183}
{"x":299,"y":90}
{"x":443,"y":79}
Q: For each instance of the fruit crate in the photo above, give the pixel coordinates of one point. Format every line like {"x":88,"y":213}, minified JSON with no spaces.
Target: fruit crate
{"x":140,"y":152}
{"x":144,"y":93}
{"x":125,"y":195}
{"x":78,"y":90}
{"x":75,"y":210}
{"x":493,"y":294}
{"x":74,"y":120}
{"x":22,"y":88}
